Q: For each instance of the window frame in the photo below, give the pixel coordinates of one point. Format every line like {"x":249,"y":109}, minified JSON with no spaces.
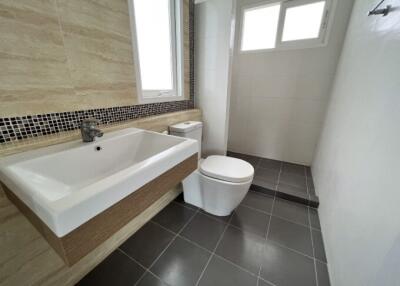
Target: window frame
{"x":255,"y":6}
{"x":321,"y":41}
{"x":177,"y":34}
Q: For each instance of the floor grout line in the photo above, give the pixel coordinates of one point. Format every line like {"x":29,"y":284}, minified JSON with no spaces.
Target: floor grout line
{"x":266,"y":238}
{"x":291,"y":221}
{"x":277,"y":216}
{"x":216,"y":219}
{"x":279,"y":178}
{"x":163,"y":227}
{"x":307,"y":188}
{"x":238,"y":228}
{"x":213,"y":252}
{"x":183,"y":204}
{"x":254,"y":209}
{"x":270,"y":219}
{"x":147,"y":270}
{"x":168,"y":245}
{"x":312,"y":244}
{"x":220,"y":239}
{"x":219,"y":256}
{"x":228,"y":261}
{"x":260,"y":193}
{"x":178,"y":234}
{"x":258,"y":276}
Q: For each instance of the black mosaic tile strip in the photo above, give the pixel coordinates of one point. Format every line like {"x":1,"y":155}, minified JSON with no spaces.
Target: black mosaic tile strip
{"x":23,"y":127}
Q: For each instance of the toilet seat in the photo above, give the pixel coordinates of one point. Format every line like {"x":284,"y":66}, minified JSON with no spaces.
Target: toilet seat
{"x":227,"y":169}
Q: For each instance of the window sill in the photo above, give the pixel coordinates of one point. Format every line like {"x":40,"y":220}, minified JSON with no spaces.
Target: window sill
{"x":161,"y":99}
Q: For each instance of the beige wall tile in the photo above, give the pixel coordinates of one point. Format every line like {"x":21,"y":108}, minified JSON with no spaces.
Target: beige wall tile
{"x":63,"y":55}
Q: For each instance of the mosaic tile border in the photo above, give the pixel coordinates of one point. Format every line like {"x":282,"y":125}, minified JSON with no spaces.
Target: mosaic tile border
{"x":14,"y":129}
{"x":24,"y":127}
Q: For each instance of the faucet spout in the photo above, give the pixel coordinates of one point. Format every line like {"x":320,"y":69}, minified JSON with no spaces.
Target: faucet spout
{"x":89,"y":131}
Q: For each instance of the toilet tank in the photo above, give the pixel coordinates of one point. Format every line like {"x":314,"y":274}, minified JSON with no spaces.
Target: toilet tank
{"x":188,"y":129}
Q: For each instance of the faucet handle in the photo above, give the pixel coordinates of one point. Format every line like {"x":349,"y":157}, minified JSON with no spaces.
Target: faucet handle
{"x":89,"y":122}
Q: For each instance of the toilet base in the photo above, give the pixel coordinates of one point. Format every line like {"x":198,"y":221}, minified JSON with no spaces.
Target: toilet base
{"x":214,"y":196}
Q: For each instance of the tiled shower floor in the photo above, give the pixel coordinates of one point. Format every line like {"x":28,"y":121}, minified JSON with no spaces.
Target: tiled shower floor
{"x":266,"y":241}
{"x":285,"y":180}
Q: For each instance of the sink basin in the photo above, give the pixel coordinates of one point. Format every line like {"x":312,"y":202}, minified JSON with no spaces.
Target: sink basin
{"x":66,"y":185}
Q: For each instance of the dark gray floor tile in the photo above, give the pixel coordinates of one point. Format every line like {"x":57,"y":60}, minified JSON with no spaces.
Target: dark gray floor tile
{"x":224,"y":219}
{"x":253,"y":160}
{"x":174,"y":216}
{"x":264,"y":283}
{"x":116,"y":269}
{"x":204,"y":231}
{"x":282,"y":187}
{"x":313,"y":201}
{"x":242,"y":248}
{"x":284,"y":267}
{"x":308,"y":171}
{"x":263,"y":184}
{"x":311,"y":191}
{"x":314,"y":218}
{"x":150,"y":280}
{"x":258,"y":201}
{"x":180,"y":200}
{"x":270,"y":164}
{"x":293,"y":180}
{"x":319,"y":250}
{"x":310,"y":186}
{"x":293,"y":169}
{"x":147,"y":243}
{"x":267,"y":175}
{"x":223,"y":273}
{"x":294,"y":212}
{"x":250,"y":220}
{"x":310,"y":182}
{"x":322,"y":274}
{"x":293,"y":194}
{"x":291,"y":235}
{"x":181,"y":264}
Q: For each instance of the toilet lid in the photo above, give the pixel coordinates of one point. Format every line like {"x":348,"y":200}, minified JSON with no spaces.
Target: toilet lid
{"x":227,"y":168}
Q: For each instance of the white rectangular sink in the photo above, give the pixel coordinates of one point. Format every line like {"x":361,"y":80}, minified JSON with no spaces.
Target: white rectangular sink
{"x":65,"y":185}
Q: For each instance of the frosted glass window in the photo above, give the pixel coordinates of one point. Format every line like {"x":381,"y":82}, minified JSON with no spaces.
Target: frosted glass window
{"x":260,"y":26}
{"x":303,"y":22}
{"x":154,"y":42}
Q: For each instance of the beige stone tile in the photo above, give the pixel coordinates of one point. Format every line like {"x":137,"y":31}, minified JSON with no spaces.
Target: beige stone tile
{"x":86,"y":62}
{"x":107,"y":16}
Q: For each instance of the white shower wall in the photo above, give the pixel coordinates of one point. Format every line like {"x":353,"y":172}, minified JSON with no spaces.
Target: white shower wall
{"x":279,"y":97}
{"x":356,"y":169}
{"x":213,"y":55}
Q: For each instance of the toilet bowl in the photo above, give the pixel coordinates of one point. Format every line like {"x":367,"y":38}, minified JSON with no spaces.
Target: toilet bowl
{"x":220,"y":183}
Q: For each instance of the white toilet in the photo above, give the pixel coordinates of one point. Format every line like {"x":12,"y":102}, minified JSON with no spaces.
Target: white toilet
{"x":220,"y":183}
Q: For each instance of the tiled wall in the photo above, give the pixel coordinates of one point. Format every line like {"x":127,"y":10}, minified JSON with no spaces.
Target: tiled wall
{"x":356,"y":168}
{"x":64,"y":60}
{"x":279,"y":97}
{"x":213,"y":62}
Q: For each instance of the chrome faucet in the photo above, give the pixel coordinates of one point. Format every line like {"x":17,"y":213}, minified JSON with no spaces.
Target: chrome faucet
{"x":89,"y":130}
